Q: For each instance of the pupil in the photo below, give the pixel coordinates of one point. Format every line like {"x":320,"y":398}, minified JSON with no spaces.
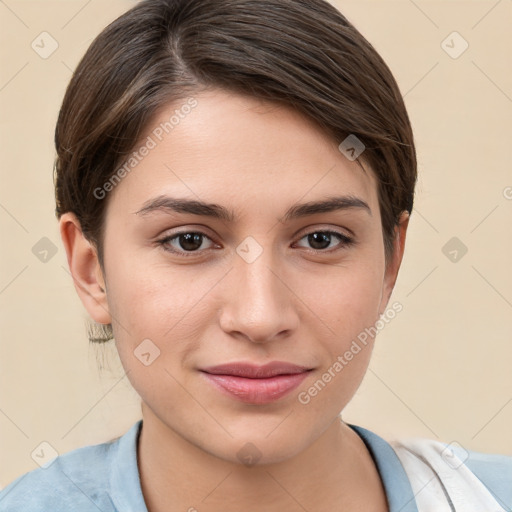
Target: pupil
{"x":190,"y":241}
{"x":319,"y":240}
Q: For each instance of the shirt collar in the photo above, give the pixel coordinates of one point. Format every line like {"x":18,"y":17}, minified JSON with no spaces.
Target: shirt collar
{"x":397,"y":486}
{"x":125,"y":485}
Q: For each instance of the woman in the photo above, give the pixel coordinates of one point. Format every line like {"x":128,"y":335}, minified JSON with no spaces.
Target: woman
{"x":234,"y":182}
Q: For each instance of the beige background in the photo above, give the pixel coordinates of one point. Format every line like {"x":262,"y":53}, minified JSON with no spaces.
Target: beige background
{"x":441,"y":368}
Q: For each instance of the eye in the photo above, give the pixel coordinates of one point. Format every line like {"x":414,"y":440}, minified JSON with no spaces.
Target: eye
{"x":191,"y":243}
{"x":321,"y":240}
{"x":185,"y":242}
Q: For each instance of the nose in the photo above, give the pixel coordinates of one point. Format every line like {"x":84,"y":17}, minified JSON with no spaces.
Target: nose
{"x":258,"y":302}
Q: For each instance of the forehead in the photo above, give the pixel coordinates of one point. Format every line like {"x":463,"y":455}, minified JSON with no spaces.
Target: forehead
{"x":227,"y":148}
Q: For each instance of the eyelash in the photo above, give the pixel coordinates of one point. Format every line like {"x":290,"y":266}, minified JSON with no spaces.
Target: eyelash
{"x":345,"y":242}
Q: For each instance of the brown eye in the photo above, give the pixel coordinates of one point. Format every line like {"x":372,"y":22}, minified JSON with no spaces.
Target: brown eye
{"x":321,"y":240}
{"x":184,"y":242}
{"x":190,"y":241}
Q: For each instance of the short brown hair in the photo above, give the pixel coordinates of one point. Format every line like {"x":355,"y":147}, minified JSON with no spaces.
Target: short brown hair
{"x":301,"y":53}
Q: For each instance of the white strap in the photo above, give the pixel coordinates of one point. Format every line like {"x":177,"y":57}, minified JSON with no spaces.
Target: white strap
{"x":440,"y":480}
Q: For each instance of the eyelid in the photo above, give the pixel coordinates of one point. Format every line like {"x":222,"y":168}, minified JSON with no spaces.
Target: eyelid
{"x":315,"y":228}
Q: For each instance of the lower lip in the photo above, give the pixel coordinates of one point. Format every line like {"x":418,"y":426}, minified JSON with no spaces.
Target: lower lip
{"x":256,"y":391}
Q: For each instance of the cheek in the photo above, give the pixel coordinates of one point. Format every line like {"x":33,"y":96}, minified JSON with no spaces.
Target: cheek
{"x":169,"y":306}
{"x":151,"y":303}
{"x":344,"y":334}
{"x":345,"y":299}
{"x":346,"y":302}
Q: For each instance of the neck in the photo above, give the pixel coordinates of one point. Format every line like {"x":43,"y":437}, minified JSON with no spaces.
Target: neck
{"x":335,"y":471}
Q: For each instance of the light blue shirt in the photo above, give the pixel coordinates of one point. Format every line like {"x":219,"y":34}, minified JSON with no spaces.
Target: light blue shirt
{"x":105,"y":478}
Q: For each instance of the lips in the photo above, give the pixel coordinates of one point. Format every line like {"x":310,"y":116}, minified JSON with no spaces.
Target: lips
{"x":251,"y":371}
{"x":256,"y":384}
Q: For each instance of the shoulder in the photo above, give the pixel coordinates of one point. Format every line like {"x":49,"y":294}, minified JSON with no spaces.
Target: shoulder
{"x":78,"y":480}
{"x":484,"y":476}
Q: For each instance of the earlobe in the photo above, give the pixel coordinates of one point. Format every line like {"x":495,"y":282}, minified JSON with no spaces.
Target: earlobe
{"x":393,"y":265}
{"x":85,"y":269}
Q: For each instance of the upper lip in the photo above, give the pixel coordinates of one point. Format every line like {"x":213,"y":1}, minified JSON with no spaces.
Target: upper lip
{"x":252,"y":371}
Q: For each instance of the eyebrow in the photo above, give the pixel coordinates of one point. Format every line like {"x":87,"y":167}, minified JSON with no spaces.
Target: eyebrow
{"x":179,"y":205}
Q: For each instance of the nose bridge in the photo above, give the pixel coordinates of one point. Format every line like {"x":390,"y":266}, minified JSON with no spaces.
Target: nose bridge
{"x":259,"y":281}
{"x":257,"y":304}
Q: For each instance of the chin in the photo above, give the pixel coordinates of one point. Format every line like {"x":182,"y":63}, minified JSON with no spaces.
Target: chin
{"x":258,"y":452}
{"x":259,"y":444}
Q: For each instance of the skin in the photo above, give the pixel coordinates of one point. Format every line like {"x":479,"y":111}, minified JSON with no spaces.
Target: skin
{"x":291,"y":304}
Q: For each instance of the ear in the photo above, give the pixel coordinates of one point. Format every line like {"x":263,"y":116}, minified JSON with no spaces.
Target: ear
{"x":85,"y":269}
{"x":393,"y":265}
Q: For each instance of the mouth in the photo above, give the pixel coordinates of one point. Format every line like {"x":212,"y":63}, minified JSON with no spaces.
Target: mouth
{"x":256,"y":384}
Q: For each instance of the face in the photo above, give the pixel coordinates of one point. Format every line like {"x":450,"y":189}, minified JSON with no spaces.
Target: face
{"x":259,"y":275}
